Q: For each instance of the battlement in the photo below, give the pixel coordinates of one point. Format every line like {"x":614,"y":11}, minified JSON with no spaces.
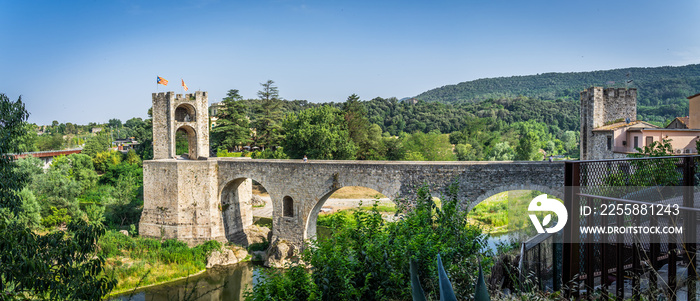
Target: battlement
{"x":610,"y":92}
{"x":179,"y":97}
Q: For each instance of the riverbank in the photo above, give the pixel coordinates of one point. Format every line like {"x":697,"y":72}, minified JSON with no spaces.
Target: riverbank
{"x":138,"y":262}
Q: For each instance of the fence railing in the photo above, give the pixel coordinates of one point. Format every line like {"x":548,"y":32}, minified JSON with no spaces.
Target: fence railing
{"x":629,"y":265}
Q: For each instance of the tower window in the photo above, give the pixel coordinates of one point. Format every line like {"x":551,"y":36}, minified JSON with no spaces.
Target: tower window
{"x":636,"y":142}
{"x":610,"y":140}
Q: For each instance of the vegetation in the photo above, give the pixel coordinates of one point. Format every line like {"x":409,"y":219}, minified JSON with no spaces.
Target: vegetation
{"x":232,"y":127}
{"x":60,"y":265}
{"x":369,"y":259}
{"x":130,"y":258}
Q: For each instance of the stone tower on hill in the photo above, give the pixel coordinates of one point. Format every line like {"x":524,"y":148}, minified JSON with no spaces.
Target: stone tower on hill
{"x":173,"y":113}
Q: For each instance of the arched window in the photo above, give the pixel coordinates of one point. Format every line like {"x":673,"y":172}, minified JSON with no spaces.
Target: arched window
{"x":288,"y":205}
{"x":185,"y":113}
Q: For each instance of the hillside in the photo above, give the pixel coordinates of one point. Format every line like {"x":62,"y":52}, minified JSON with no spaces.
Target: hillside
{"x":656,"y":86}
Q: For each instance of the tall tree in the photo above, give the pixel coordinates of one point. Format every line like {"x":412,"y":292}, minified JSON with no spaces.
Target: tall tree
{"x":319,"y":133}
{"x":268,"y":131}
{"x":368,"y":144}
{"x":232,"y":127}
{"x":54,"y":266}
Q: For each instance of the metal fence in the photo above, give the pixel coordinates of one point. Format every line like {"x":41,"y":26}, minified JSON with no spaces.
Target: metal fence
{"x":629,"y":265}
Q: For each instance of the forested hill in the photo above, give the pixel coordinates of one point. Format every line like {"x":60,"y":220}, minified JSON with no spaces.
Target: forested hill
{"x":656,"y":86}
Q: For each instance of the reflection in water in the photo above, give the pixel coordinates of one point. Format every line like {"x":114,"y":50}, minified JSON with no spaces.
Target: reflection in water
{"x":226,"y":283}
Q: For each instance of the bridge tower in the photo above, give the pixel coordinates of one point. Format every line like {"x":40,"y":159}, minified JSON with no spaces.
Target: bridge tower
{"x":172,"y":113}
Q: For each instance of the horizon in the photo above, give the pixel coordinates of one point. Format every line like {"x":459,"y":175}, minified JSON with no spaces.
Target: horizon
{"x":85,"y":62}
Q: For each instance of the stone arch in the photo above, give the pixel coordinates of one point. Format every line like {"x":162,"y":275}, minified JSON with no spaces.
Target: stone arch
{"x":236,"y":210}
{"x":191,"y":140}
{"x":310,"y":225}
{"x":559,"y":193}
{"x":185,"y":113}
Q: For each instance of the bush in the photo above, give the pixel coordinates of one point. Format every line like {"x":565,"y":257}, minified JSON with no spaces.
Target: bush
{"x":369,"y":259}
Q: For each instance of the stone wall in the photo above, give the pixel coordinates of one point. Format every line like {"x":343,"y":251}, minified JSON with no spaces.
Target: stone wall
{"x":600,"y":106}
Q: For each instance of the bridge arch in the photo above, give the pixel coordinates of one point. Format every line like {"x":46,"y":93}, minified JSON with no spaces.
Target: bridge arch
{"x":235,"y":197}
{"x":310,"y":225}
{"x":559,"y":193}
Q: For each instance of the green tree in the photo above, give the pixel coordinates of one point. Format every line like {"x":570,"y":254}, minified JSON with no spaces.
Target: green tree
{"x":96,"y":144}
{"x":432,"y":146}
{"x":528,"y":148}
{"x":268,"y":131}
{"x":232,"y":127}
{"x":501,"y":152}
{"x":48,"y":142}
{"x":54,"y":266}
{"x":319,"y":133}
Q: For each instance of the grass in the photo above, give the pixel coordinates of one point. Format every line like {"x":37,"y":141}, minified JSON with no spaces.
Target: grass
{"x":503,"y":212}
{"x":130,"y":258}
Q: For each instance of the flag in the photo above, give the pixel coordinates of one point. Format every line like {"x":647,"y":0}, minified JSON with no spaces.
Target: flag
{"x":183,"y":85}
{"x":162,"y":81}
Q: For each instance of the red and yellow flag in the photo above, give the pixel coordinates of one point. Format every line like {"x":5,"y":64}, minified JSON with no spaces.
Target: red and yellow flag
{"x":183,"y":85}
{"x":162,"y":81}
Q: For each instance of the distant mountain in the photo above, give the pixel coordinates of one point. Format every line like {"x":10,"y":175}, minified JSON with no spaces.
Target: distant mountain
{"x":656,"y":86}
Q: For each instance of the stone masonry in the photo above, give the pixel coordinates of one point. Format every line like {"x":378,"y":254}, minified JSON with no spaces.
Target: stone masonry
{"x":598,"y":107}
{"x":197,"y":200}
{"x":174,"y":112}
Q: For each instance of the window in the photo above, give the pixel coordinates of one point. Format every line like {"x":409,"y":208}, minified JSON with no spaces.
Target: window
{"x":610,"y":142}
{"x":288,"y":205}
{"x":636,"y":142}
{"x":650,"y":140}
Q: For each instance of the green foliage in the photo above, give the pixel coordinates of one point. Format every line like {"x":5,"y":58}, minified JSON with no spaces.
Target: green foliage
{"x":232,"y":127}
{"x":293,"y":284}
{"x":30,"y":215}
{"x":132,"y":158}
{"x":58,"y":218}
{"x":319,"y":133}
{"x":432,"y":146}
{"x":103,"y":160}
{"x":528,"y":148}
{"x":267,"y":116}
{"x":278,"y":153}
{"x":48,"y":142}
{"x":96,"y":144}
{"x":446,"y":291}
{"x":56,"y":266}
{"x":369,"y":259}
{"x":224,"y":153}
{"x":57,"y":188}
{"x":114,"y":244}
{"x":657,"y":86}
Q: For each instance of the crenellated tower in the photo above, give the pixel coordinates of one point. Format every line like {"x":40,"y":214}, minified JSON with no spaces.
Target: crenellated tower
{"x":188,"y":113}
{"x":601,"y":106}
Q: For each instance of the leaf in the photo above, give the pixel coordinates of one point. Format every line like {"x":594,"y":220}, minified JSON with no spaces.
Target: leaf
{"x":546,"y":220}
{"x":416,"y":289}
{"x":481,"y":293}
{"x":446,"y":292}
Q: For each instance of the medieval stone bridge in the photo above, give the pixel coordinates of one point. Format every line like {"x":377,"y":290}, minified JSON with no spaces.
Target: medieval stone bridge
{"x":199,"y":200}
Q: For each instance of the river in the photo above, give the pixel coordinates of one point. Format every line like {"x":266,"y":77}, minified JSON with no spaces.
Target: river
{"x":226,"y":283}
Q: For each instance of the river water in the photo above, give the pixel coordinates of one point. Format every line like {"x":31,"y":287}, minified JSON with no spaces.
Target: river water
{"x":227,"y":283}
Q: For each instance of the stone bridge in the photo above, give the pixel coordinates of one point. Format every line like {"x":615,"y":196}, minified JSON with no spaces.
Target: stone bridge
{"x":199,"y":200}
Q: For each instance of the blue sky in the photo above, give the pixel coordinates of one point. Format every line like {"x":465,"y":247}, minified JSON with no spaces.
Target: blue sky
{"x":89,"y":61}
